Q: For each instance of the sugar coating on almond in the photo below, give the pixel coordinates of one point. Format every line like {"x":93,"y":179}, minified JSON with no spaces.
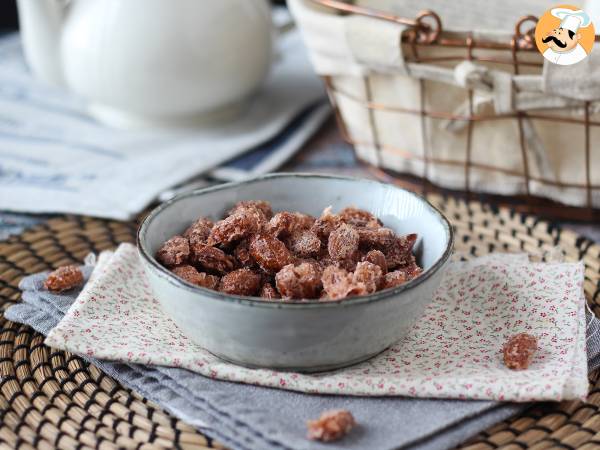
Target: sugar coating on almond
{"x":240,"y":282}
{"x":211,"y":259}
{"x":359,"y":217}
{"x":299,"y":282}
{"x":174,"y":252}
{"x":304,"y":243}
{"x":243,"y":223}
{"x":285,"y":223}
{"x":331,"y":425}
{"x":262,"y":205}
{"x":326,"y":224}
{"x":63,"y":279}
{"x":199,"y":231}
{"x":343,"y":242}
{"x":369,"y":275}
{"x":378,"y":258}
{"x":269,"y":252}
{"x":519,"y":350}
{"x":191,"y":275}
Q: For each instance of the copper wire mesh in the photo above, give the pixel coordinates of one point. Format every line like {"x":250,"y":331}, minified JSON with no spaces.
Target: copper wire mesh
{"x":427,"y":31}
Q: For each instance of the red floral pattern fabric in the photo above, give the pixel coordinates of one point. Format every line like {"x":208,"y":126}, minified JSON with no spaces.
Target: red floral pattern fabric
{"x":453,"y":351}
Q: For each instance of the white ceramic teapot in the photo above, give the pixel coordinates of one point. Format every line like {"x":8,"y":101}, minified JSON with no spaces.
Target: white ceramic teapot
{"x":150,"y":62}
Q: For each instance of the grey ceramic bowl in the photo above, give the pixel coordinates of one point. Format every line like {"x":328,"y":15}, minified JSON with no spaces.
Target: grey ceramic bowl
{"x":302,"y":336}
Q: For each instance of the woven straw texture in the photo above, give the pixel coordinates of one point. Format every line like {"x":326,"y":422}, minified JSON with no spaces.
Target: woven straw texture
{"x":53,"y":399}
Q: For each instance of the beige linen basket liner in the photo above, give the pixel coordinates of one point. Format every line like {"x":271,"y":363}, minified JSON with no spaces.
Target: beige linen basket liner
{"x":468,"y":109}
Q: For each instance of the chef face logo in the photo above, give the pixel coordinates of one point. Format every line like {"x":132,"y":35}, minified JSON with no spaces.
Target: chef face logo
{"x":565,"y":35}
{"x":561,"y":40}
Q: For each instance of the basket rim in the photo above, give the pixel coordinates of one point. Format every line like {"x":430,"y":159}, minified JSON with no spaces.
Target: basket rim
{"x":425,"y":34}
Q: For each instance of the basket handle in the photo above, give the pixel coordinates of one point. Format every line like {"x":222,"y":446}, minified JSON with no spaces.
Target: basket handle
{"x":525,"y":39}
{"x":422,"y":31}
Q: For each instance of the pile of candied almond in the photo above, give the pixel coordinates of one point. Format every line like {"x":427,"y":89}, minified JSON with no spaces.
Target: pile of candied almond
{"x":291,"y":255}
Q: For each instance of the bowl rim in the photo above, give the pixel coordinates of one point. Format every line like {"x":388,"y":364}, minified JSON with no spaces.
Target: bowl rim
{"x":294,"y":304}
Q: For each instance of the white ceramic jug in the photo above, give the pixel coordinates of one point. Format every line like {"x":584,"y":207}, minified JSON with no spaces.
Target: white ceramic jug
{"x":143,"y":63}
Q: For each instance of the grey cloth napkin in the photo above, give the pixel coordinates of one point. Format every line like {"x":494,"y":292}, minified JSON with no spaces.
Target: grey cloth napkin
{"x":250,"y":417}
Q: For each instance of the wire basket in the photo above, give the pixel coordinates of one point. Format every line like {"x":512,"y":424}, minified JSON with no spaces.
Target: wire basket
{"x":434,"y":116}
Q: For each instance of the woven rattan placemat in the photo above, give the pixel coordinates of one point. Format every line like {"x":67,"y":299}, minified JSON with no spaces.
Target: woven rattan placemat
{"x":52,"y":399}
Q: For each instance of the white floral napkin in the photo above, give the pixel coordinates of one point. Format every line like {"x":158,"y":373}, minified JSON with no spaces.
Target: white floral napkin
{"x":453,"y":351}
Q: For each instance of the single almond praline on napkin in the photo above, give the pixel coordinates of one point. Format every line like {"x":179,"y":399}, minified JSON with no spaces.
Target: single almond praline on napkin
{"x":63,"y":279}
{"x":519,"y":350}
